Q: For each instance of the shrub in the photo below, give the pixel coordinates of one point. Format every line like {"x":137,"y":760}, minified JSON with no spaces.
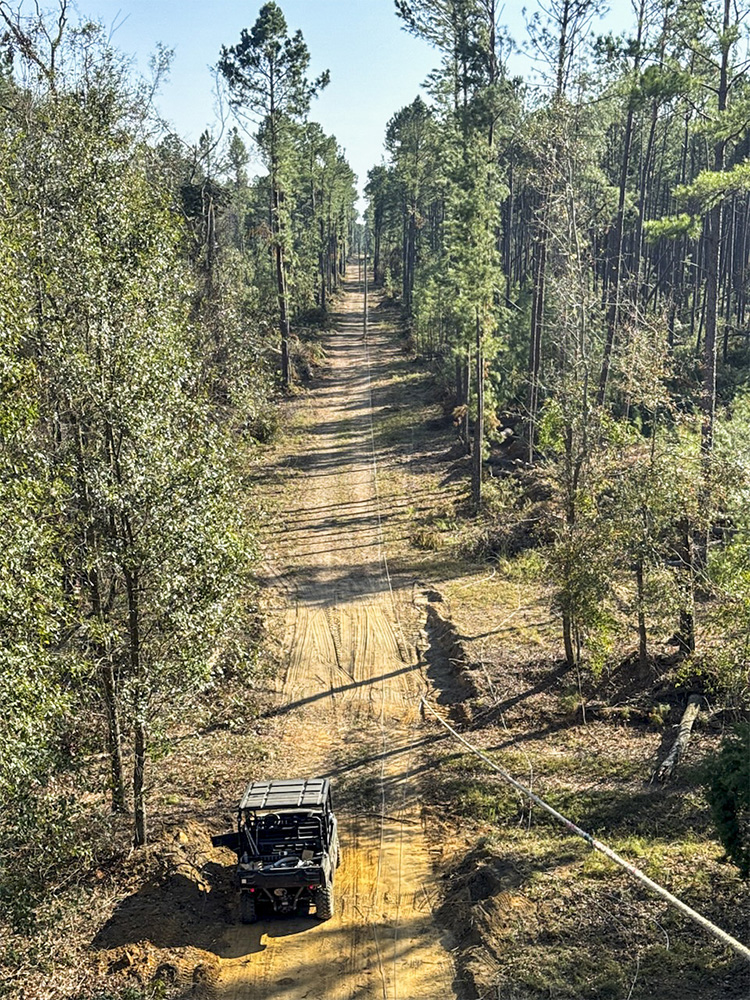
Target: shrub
{"x":728,"y":787}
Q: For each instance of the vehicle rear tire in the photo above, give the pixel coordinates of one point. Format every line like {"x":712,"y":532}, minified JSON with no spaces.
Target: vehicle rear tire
{"x":324,"y":902}
{"x":247,"y":908}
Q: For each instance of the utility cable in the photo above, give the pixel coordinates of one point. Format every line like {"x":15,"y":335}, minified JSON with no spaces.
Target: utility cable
{"x":597,"y":845}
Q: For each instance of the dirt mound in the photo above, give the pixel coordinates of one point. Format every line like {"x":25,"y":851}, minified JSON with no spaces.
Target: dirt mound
{"x":448,"y":665}
{"x":484,"y":912}
{"x":168,"y":928}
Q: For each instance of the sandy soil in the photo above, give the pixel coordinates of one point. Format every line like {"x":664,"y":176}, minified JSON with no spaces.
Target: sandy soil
{"x":352,"y":679}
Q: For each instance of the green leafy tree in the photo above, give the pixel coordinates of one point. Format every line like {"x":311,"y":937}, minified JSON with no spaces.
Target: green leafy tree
{"x":135,"y":482}
{"x":473,"y":92}
{"x":324,"y":208}
{"x":409,"y":140}
{"x":712,"y":32}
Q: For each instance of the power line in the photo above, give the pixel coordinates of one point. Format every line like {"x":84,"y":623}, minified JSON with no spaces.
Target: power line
{"x":597,"y":845}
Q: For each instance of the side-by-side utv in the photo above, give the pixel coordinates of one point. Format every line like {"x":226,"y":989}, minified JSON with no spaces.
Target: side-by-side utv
{"x":287,"y":848}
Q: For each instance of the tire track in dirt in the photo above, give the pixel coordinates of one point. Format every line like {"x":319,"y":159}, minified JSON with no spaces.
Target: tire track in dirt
{"x":349,"y":672}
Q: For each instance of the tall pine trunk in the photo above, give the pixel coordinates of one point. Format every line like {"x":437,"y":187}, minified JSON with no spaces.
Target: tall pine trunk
{"x":477,"y":457}
{"x":713,"y":252}
{"x":616,"y":255}
{"x":281,"y":286}
{"x":537,"y":327}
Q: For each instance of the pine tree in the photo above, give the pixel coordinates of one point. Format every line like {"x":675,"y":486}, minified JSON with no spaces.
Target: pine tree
{"x":266,"y":75}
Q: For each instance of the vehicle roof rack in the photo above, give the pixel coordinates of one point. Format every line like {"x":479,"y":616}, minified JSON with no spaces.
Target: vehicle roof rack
{"x":296,"y":793}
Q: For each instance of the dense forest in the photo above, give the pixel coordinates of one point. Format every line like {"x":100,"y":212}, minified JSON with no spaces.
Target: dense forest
{"x":570,"y":257}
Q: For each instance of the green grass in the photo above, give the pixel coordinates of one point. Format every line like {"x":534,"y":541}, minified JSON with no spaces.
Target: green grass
{"x":548,"y":762}
{"x":529,"y":566}
{"x":588,"y":930}
{"x":572,"y":972}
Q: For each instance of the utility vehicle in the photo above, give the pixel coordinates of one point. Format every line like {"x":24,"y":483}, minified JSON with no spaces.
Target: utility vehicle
{"x":287,"y":848}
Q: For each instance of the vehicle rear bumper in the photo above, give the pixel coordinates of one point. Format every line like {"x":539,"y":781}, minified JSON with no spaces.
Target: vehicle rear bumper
{"x":294,"y":878}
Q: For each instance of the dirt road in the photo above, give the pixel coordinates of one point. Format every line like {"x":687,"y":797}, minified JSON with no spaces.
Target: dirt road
{"x":348,"y":699}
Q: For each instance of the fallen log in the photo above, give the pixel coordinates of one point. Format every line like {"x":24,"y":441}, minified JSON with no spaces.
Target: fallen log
{"x":667,"y":767}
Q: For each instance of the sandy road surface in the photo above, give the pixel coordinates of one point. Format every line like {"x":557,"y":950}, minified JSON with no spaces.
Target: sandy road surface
{"x":351,"y":668}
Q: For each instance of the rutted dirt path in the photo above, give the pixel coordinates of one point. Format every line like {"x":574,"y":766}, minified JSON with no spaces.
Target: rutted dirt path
{"x":352,"y":678}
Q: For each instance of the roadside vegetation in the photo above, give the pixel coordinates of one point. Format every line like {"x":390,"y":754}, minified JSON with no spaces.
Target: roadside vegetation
{"x":568,"y":254}
{"x":534,"y":912}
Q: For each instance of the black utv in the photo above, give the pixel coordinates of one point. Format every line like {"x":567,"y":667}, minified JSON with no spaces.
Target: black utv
{"x":287,"y":848}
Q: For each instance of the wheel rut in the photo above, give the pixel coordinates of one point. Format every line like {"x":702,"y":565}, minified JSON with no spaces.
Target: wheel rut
{"x":351,"y":675}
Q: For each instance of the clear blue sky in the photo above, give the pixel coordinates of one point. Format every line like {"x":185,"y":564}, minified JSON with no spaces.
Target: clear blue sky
{"x":376,"y":68}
